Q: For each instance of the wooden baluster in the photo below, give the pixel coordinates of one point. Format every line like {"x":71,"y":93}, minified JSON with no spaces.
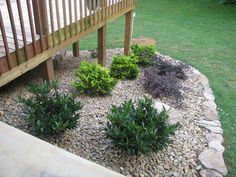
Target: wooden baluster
{"x":76,"y":17}
{"x":99,"y":12}
{"x":81,"y":16}
{"x":52,"y":22}
{"x":102,"y":9}
{"x":110,"y":10}
{"x":116,"y":6}
{"x":13,"y":27}
{"x":70,"y":17}
{"x":31,"y":26}
{"x":64,"y":17}
{"x":105,"y":10}
{"x":94,"y":11}
{"x":58,"y":21}
{"x":22,"y":28}
{"x":85,"y":15}
{"x":4,"y":37}
{"x":113,"y":5}
{"x":90,"y":13}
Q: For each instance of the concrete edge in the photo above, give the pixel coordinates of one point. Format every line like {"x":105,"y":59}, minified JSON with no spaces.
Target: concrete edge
{"x":23,"y":155}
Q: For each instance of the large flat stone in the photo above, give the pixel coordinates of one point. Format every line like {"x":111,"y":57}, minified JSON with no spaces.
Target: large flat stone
{"x":216,"y":145}
{"x":160,"y":106}
{"x":210,"y":104}
{"x":217,"y":130}
{"x":22,"y":155}
{"x":213,"y":160}
{"x":214,"y":123}
{"x":174,"y":115}
{"x":208,"y":92}
{"x":203,"y":79}
{"x":197,"y":72}
{"x":215,"y":137}
{"x":211,"y":114}
{"x":209,"y":173}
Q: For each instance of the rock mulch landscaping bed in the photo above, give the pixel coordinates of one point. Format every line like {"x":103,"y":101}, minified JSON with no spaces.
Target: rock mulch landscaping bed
{"x":197,"y":145}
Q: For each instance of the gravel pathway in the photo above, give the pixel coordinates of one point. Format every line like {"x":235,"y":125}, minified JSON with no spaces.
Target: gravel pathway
{"x":88,"y":140}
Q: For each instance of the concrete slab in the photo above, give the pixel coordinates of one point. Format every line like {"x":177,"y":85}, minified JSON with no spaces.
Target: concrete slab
{"x":23,"y":155}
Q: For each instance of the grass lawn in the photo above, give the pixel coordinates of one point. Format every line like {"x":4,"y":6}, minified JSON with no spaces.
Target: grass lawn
{"x":201,"y":33}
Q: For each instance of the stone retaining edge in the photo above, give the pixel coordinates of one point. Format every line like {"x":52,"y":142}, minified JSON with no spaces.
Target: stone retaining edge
{"x":212,"y":157}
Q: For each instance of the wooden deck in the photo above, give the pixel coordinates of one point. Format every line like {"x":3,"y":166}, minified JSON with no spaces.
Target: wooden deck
{"x":33,"y":30}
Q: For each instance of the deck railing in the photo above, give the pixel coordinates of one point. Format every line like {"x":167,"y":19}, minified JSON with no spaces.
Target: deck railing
{"x":33,"y":30}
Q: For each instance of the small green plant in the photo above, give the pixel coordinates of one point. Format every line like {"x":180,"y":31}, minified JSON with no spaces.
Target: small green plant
{"x":145,"y":54}
{"x":139,"y":128}
{"x":92,"y":79}
{"x":124,"y":67}
{"x":49,"y":111}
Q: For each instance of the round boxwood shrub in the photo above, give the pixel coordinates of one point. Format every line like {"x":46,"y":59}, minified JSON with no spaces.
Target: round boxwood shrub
{"x":93,"y":79}
{"x":139,"y":128}
{"x":49,"y":111}
{"x":145,"y":54}
{"x":124,"y":67}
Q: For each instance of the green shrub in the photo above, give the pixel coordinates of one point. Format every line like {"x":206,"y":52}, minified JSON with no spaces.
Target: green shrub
{"x":92,"y":79}
{"x":145,"y":54}
{"x":124,"y":67}
{"x":139,"y":128}
{"x":49,"y":111}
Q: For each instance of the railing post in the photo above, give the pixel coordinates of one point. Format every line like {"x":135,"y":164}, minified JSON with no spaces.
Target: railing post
{"x":128,"y":32}
{"x":102,"y":57}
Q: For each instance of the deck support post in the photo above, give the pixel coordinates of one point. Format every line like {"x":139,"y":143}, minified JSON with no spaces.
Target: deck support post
{"x":76,"y":49}
{"x":128,"y":31}
{"x":47,"y":70}
{"x":102,"y":56}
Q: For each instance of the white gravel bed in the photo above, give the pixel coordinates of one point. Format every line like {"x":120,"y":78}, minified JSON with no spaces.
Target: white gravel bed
{"x":88,"y":139}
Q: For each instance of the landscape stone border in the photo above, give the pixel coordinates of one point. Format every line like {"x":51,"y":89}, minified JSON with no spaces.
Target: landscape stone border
{"x":212,"y":157}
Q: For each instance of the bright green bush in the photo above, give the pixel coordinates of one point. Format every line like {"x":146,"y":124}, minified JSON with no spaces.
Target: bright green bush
{"x":145,"y":54}
{"x":92,"y":79}
{"x":139,"y":128}
{"x":49,"y":111}
{"x":124,"y":67}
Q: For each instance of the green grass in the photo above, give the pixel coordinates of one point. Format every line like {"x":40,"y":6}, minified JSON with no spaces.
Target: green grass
{"x":201,"y":33}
